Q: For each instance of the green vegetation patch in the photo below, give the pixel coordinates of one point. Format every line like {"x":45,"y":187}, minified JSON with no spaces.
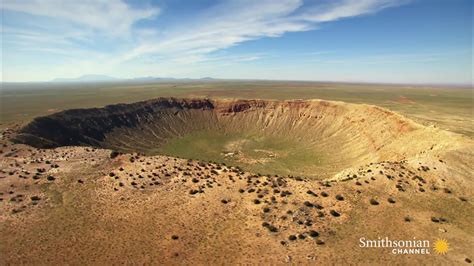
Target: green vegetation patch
{"x":251,"y":152}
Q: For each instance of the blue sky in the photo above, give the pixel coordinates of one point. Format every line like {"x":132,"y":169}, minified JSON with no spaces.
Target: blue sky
{"x":395,"y":41}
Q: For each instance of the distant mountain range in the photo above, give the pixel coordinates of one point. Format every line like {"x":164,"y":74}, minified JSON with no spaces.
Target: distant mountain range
{"x":86,"y":78}
{"x":105,"y":78}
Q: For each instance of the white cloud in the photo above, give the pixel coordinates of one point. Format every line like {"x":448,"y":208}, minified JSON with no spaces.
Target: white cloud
{"x":72,"y":28}
{"x":336,"y":10}
{"x":234,"y":22}
{"x":113,"y":16}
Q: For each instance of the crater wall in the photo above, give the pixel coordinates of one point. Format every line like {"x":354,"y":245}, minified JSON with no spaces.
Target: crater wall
{"x":346,"y":135}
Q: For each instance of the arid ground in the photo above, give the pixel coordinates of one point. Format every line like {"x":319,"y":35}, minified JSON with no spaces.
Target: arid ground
{"x":234,"y":173}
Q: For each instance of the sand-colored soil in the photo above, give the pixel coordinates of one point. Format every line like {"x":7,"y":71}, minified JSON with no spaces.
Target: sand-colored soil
{"x":384,"y":176}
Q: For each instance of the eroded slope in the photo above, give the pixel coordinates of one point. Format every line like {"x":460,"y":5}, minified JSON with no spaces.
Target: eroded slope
{"x":310,"y":138}
{"x":79,"y":205}
{"x":86,"y":205}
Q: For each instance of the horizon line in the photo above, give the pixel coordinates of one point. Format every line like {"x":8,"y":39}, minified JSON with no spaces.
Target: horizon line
{"x":210,"y":79}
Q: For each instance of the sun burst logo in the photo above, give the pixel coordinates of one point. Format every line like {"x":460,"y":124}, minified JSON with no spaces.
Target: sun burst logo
{"x":441,"y":246}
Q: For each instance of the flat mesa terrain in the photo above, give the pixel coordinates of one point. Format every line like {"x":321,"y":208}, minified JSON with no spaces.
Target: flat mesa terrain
{"x":234,"y":173}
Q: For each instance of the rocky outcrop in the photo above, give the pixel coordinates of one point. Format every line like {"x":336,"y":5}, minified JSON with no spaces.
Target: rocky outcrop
{"x":346,"y":135}
{"x":90,"y":126}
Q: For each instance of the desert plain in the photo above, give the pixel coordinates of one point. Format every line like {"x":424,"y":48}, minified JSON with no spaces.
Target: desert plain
{"x":234,"y":172}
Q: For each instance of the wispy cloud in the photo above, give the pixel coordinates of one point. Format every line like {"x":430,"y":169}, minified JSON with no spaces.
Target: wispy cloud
{"x":234,"y":22}
{"x":111,"y":32}
{"x":111,"y":16}
{"x":335,"y":10}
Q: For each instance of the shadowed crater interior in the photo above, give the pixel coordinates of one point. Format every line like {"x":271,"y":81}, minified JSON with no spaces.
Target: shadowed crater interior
{"x":312,"y":138}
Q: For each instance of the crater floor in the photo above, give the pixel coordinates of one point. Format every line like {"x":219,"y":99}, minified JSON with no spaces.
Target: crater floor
{"x":66,"y":195}
{"x":312,"y":138}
